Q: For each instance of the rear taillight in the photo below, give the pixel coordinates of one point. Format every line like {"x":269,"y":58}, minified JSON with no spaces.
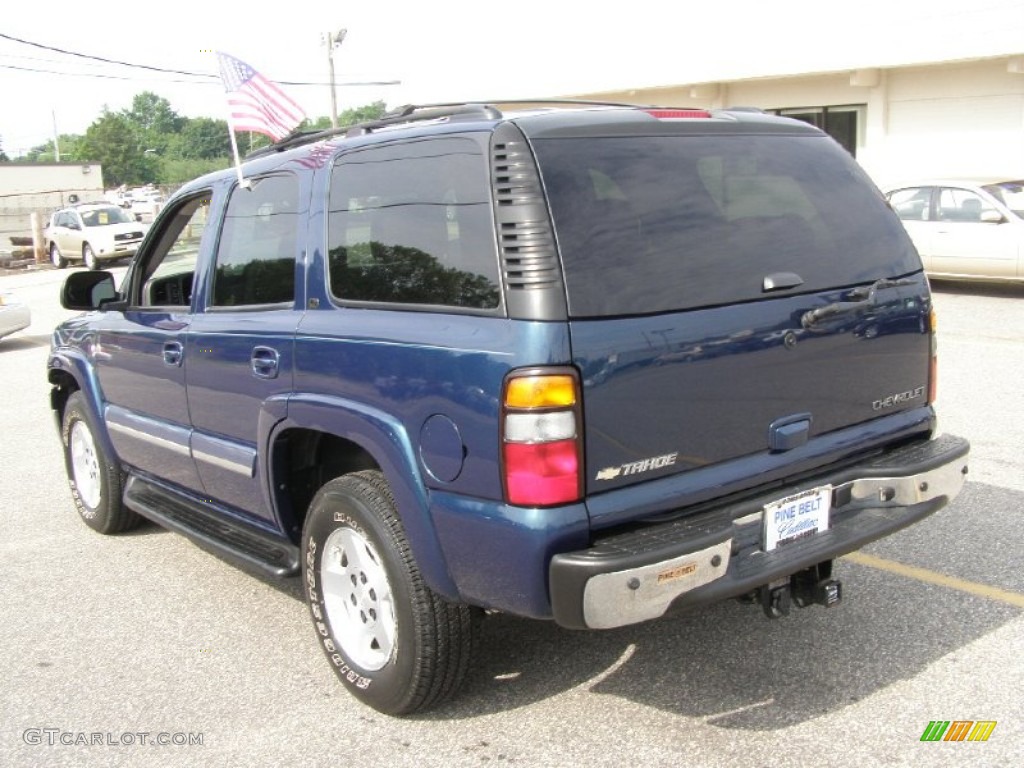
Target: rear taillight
{"x":933,"y":368}
{"x":542,"y":455}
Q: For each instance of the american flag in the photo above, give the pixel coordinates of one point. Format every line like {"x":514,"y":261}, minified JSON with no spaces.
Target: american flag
{"x":318,"y":156}
{"x":256,"y":103}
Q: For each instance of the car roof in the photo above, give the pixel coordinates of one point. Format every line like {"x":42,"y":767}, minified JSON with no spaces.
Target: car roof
{"x":953,"y":182}
{"x":536,"y":117}
{"x":87,"y":206}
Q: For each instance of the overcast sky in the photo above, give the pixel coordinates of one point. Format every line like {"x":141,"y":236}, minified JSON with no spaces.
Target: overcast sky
{"x":457,"y":49}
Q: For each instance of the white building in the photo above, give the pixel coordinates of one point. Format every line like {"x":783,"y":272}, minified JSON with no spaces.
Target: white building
{"x":911,"y":88}
{"x":27,"y":188}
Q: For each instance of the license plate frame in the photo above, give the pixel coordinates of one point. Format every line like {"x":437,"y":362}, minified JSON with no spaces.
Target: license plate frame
{"x":794,"y":517}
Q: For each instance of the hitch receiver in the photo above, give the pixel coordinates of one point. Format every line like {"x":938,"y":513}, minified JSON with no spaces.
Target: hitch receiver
{"x":811,"y":586}
{"x":815,"y":586}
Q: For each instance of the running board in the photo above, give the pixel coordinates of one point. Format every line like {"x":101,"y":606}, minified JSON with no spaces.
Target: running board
{"x":212,"y":527}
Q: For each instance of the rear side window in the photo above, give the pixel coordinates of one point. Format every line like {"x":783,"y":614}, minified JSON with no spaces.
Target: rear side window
{"x":411,"y":223}
{"x":956,"y":204}
{"x":654,"y":224}
{"x":256,"y":254}
{"x":912,"y":203}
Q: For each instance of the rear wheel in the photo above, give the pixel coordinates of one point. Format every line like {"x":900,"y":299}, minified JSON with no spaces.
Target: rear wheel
{"x":56,"y":258}
{"x":395,"y":644}
{"x":91,"y":262}
{"x":95,"y":481}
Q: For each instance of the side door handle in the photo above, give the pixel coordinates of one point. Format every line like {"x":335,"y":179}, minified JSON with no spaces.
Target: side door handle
{"x":265,"y":362}
{"x":173,"y":354}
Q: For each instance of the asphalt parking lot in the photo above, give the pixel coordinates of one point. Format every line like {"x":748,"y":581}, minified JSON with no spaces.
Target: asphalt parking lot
{"x":109,"y":645}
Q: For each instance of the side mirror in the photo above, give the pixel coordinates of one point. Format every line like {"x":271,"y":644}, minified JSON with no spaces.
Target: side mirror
{"x":992,"y":217}
{"x":87,"y":291}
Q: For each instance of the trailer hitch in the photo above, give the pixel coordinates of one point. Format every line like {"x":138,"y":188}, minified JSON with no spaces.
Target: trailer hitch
{"x":811,"y":586}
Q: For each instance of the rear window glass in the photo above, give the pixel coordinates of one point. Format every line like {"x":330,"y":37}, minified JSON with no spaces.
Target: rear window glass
{"x":653,"y":224}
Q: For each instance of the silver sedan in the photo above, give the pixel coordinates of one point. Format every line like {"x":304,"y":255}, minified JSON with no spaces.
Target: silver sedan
{"x":965,"y":228}
{"x":13,"y":316}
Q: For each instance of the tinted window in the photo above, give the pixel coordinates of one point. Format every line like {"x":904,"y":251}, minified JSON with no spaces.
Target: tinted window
{"x":651,"y":224}
{"x":411,"y":223}
{"x":256,"y":255}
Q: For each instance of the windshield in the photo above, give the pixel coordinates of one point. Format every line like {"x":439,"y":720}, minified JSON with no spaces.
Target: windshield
{"x":101,"y":217}
{"x":1010,"y":194}
{"x":698,"y":221}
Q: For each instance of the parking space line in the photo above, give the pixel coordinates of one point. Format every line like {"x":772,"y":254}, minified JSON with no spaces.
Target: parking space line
{"x":1015,"y":599}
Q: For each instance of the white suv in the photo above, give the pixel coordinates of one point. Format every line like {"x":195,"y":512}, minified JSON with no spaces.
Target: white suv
{"x":91,"y":232}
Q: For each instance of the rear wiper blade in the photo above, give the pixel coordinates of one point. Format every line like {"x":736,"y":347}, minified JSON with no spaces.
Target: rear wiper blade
{"x":859,"y":298}
{"x":867,"y":291}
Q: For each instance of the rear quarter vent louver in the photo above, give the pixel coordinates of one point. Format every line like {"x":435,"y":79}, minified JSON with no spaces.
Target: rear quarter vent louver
{"x":529,"y":257}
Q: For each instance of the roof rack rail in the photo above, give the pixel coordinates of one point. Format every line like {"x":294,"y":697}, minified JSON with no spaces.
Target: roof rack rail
{"x":296,"y":139}
{"x":411,"y":113}
{"x":406,"y":114}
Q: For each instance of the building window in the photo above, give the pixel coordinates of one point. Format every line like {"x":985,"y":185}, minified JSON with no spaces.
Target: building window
{"x":843,"y":123}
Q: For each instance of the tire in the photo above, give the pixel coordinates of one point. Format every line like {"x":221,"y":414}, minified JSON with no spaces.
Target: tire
{"x":96,"y":483}
{"x":56,"y":258}
{"x":396,"y":645}
{"x":89,"y":256}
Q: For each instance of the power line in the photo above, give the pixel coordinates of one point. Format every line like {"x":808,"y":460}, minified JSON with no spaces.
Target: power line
{"x":205,"y":75}
{"x":103,"y":59}
{"x":91,"y":74}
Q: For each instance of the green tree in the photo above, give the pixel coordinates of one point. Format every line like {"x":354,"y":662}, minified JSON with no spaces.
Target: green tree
{"x":153,"y":120}
{"x":363,"y":114}
{"x":70,"y":150}
{"x":150,"y":142}
{"x":203,"y":138}
{"x":112,"y":142}
{"x":176,"y":170}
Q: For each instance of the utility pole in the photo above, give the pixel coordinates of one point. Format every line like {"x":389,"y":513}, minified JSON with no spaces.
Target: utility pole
{"x":56,"y":143}
{"x":333,"y":40}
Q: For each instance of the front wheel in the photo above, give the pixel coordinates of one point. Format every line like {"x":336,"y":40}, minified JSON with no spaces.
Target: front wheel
{"x":89,"y":256}
{"x":395,"y":644}
{"x":56,"y":258}
{"x":95,"y":481}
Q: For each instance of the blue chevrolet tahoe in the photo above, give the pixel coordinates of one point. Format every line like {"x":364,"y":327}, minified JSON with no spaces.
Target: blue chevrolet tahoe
{"x":589,"y":364}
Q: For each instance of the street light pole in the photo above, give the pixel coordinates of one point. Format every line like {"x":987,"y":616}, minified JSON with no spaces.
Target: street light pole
{"x":334,"y":40}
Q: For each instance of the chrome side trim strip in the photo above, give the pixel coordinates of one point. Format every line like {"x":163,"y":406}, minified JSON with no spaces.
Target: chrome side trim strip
{"x":223,"y":454}
{"x":148,"y":437}
{"x":223,"y":463}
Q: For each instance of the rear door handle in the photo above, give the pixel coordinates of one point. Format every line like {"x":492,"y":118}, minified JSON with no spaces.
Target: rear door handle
{"x":172,"y":354}
{"x":265,"y":361}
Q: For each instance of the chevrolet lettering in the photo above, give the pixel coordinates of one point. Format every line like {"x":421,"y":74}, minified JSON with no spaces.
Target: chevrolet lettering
{"x":898,"y":399}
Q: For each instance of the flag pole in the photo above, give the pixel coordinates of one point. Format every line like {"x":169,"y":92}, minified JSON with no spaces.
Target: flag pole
{"x":242,"y":181}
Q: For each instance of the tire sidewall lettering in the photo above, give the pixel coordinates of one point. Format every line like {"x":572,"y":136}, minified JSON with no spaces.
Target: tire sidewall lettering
{"x":344,"y":668}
